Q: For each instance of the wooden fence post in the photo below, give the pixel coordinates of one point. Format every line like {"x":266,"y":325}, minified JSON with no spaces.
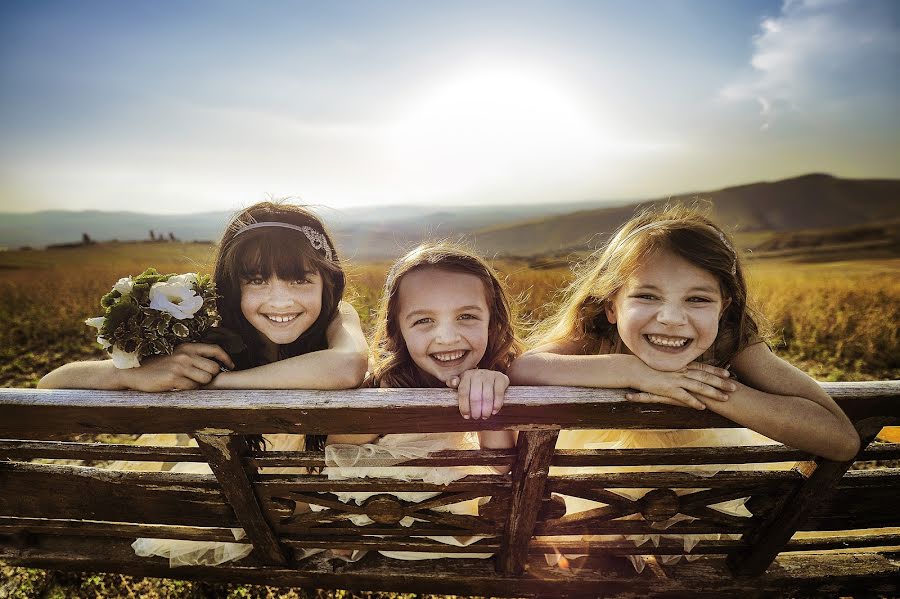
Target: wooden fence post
{"x":224,"y":454}
{"x":770,"y":538}
{"x":529,"y":476}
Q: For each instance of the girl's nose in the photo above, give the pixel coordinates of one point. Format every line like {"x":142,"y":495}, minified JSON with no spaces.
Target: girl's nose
{"x":446,"y":333}
{"x":670,"y":313}
{"x":279,"y":293}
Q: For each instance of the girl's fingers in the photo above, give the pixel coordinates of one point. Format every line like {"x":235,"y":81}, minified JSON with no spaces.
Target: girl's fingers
{"x":453,"y":382}
{"x":463,"y":396}
{"x":709,"y":368}
{"x":487,"y":398}
{"x":710,"y":379}
{"x":198,"y":375}
{"x":207,"y":350}
{"x":476,"y":396}
{"x":500,"y":385}
{"x":705,"y":390}
{"x":644,"y":397}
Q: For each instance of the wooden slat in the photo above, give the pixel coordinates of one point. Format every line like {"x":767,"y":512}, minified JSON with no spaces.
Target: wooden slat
{"x":862,"y":499}
{"x":37,"y":412}
{"x":78,"y":492}
{"x":277,"y":484}
{"x":844,"y":542}
{"x":417,"y":545}
{"x":438,"y":459}
{"x":881,"y":451}
{"x":772,"y":535}
{"x":12,"y":449}
{"x":529,"y":475}
{"x":12,"y":526}
{"x":677,"y":456}
{"x":571,"y":484}
{"x":638,"y":527}
{"x":346,"y":528}
{"x":796,"y":574}
{"x":666,"y":547}
{"x":224,"y":453}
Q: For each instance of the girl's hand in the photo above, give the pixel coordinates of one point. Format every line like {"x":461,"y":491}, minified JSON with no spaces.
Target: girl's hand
{"x":190,"y":366}
{"x":689,"y":387}
{"x":480,"y":392}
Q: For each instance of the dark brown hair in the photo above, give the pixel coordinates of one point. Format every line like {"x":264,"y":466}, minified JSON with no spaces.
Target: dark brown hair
{"x":394,"y":367}
{"x":281,"y":252}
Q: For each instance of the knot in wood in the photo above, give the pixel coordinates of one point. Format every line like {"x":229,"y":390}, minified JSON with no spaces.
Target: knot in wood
{"x":659,"y":505}
{"x":384,"y":509}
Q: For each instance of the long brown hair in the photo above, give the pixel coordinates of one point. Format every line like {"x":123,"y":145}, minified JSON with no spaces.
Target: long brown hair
{"x":687,"y":232}
{"x":394,"y":367}
{"x":284,"y":253}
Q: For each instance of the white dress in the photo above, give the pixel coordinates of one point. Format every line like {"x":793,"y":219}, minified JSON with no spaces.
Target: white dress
{"x":669,"y":438}
{"x":379,"y":460}
{"x":194,"y":553}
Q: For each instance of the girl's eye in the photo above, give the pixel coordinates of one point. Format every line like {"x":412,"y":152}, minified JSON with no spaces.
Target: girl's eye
{"x":467,"y":317}
{"x":422,"y":321}
{"x":303,"y":281}
{"x":255,"y":281}
{"x":645,"y":296}
{"x":699,"y":299}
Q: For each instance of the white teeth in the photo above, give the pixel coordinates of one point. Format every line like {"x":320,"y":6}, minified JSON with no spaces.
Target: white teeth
{"x":281,"y":318}
{"x":667,"y":341}
{"x":449,"y":356}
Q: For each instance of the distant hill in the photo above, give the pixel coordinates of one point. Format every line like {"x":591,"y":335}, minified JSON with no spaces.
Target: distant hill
{"x":813,"y":201}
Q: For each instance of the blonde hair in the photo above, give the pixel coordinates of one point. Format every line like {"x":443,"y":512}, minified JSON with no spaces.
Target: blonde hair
{"x":394,"y":367}
{"x":687,"y":232}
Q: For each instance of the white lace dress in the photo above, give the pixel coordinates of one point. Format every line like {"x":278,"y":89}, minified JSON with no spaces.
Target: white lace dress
{"x":379,"y":460}
{"x":199,"y":553}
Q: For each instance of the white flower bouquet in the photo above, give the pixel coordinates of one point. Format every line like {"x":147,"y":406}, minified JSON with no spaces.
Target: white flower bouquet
{"x":151,"y":313}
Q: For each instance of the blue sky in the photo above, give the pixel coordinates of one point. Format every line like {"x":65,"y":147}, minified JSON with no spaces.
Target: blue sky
{"x":190,"y":106}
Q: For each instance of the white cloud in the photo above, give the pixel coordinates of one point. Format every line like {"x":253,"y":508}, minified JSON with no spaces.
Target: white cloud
{"x":818,"y":54}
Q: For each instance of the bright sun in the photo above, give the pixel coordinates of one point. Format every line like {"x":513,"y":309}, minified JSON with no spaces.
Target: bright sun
{"x":480,"y":124}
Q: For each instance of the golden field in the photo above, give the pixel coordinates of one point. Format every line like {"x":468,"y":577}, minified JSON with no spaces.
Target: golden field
{"x":835,"y":320}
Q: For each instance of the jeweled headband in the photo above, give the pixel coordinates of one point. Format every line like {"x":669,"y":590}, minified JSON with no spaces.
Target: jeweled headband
{"x":316,"y":238}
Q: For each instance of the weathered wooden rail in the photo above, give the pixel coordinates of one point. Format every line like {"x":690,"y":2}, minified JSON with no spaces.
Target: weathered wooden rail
{"x":64,"y":516}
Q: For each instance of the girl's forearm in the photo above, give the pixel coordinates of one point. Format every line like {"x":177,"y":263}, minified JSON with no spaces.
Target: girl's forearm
{"x":612,"y":371}
{"x":325,"y":369}
{"x":497,"y":439}
{"x":795,"y":421}
{"x":101,"y":374}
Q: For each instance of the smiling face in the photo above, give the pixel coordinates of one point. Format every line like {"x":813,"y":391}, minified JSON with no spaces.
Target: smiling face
{"x":667,"y":313}
{"x":443,"y":317}
{"x":281,"y":310}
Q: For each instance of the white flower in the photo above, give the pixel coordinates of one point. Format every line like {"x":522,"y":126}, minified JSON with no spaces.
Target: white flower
{"x":124,"y":285}
{"x":103,"y":342}
{"x":176,"y":298}
{"x":123,"y":359}
{"x":96,"y":322}
{"x":188,"y":279}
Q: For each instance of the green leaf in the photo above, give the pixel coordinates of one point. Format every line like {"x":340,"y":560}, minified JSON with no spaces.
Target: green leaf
{"x":180,"y":330}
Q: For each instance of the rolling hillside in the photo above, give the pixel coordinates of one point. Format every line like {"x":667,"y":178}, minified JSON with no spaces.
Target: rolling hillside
{"x":808,"y":202}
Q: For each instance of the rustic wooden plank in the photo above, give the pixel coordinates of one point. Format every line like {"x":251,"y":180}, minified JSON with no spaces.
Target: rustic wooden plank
{"x":224,"y":453}
{"x":13,"y":525}
{"x":58,"y":491}
{"x":844,"y":542}
{"x":773,"y":534}
{"x":529,"y":475}
{"x":46,"y":412}
{"x":570,"y":458}
{"x":412,"y":544}
{"x":795,"y":574}
{"x":765,"y":481}
{"x":347,"y":529}
{"x":881,"y":451}
{"x":279,"y":484}
{"x":12,"y":449}
{"x":667,"y":546}
{"x":638,"y":527}
{"x":438,"y":459}
{"x":859,"y":501}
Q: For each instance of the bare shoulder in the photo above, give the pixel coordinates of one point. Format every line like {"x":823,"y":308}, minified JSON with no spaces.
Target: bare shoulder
{"x":759,"y":367}
{"x":568,"y":347}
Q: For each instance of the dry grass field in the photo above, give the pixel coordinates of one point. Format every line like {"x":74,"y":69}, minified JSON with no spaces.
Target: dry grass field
{"x":835,"y":320}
